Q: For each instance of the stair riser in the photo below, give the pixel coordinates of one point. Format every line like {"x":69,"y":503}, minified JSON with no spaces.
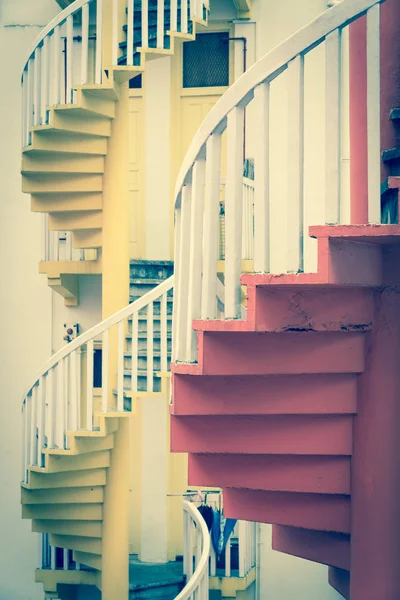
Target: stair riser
{"x":298,"y":394}
{"x":330,"y":549}
{"x":95,"y":477}
{"x":63,"y":496}
{"x":48,"y":141}
{"x":59,"y":527}
{"x":64,"y":512}
{"x":274,"y":354}
{"x":75,"y":221}
{"x":308,"y":511}
{"x":87,"y":238}
{"x":97,"y":127}
{"x":290,"y":435}
{"x":63,"y":164}
{"x":280,"y":309}
{"x":80,"y":544}
{"x":319,"y":475}
{"x":68,"y":202}
{"x":53,"y":184}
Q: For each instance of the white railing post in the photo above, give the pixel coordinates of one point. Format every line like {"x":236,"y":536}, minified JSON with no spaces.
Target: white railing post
{"x":164,"y":333}
{"x":183,"y":287}
{"x":70,"y":59}
{"x":211,"y":222}
{"x":135,"y":348}
{"x":85,"y":44}
{"x":55,"y":65}
{"x":295,"y":166}
{"x":160,"y":23}
{"x":89,"y":385}
{"x":333,"y":126}
{"x":374,"y":114}
{"x":37,"y":86}
{"x":184,"y":16}
{"x":233,"y":213}
{"x":174,"y":15}
{"x":150,"y":347}
{"x":145,"y":24}
{"x":115,"y":32}
{"x":45,"y":85}
{"x":99,"y":42}
{"x":177,"y":267}
{"x":120,"y":376}
{"x":104,"y":370}
{"x":130,"y":47}
{"x":195,"y":257}
{"x":261,"y":181}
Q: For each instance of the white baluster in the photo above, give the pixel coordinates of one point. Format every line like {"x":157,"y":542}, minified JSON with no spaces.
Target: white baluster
{"x":45,"y":86}
{"x":85,"y":44}
{"x":55,"y":66}
{"x":37,"y":87}
{"x":176,"y":307}
{"x":70,"y":59}
{"x":183,"y":282}
{"x":241,"y":536}
{"x":104,"y":370}
{"x":213,"y":562}
{"x":150,"y":347}
{"x":186,"y":549}
{"x":145,"y":24}
{"x":228,"y":558}
{"x":130,"y":48}
{"x":134,"y":344}
{"x":89,"y":385}
{"x":51,"y":412}
{"x":29,"y":99}
{"x":174,"y":15}
{"x":184,"y":16}
{"x":41,"y":420}
{"x":65,"y":559}
{"x":33,"y":434}
{"x":120,"y":376}
{"x":261,"y":183}
{"x":74,"y":383}
{"x":233,"y":213}
{"x":25,"y":428}
{"x":195,"y":256}
{"x":99,"y":41}
{"x":295,"y":167}
{"x":160,"y":24}
{"x":115,"y":32}
{"x":373,"y":112}
{"x":333,"y":127}
{"x":164,"y":332}
{"x":211,"y":226}
{"x":60,"y":406}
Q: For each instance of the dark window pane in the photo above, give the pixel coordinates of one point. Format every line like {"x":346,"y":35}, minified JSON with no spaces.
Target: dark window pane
{"x":206,"y":61}
{"x":136,"y":82}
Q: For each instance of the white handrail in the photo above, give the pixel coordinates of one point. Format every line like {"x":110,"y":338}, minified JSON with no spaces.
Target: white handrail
{"x":57,"y":403}
{"x":198,"y":188}
{"x":197,"y":552}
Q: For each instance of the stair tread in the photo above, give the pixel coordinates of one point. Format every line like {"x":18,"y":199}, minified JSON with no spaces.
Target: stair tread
{"x":391,"y":154}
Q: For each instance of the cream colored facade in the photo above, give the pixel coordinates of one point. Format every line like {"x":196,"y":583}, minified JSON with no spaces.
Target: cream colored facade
{"x":152,"y":130}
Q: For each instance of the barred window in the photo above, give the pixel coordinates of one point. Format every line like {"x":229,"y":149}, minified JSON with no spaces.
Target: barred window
{"x":206,"y":61}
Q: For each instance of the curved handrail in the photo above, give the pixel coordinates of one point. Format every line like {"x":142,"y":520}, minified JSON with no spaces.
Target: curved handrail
{"x":58,"y":20}
{"x":267,"y":69}
{"x":201,"y":570}
{"x":98,"y":329}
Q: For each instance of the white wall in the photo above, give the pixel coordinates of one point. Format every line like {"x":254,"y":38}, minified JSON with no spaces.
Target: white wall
{"x":284,"y":577}
{"x":24,"y":299}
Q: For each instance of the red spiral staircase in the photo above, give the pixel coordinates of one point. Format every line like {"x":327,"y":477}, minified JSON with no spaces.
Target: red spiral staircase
{"x":295,"y":411}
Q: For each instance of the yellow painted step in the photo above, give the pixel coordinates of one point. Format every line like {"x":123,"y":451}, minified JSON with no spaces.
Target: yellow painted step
{"x":72,"y":221}
{"x":78,"y":124}
{"x":80,"y":544}
{"x":47,"y":141}
{"x":87,"y":495}
{"x":62,"y":163}
{"x":90,"y":105}
{"x":81,"y":462}
{"x":67,"y":202}
{"x":90,"y":560}
{"x":84,"y":529}
{"x":83,"y":445}
{"x":64,"y":512}
{"x":108,"y":90}
{"x":108,"y":424}
{"x":84,"y":478}
{"x":87,"y":238}
{"x":52,"y":183}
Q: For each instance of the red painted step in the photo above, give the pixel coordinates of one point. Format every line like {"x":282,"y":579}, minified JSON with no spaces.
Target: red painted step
{"x":328,"y":548}
{"x":311,"y":435}
{"x":265,"y":395}
{"x":277,"y":354}
{"x":316,"y":474}
{"x":308,"y":511}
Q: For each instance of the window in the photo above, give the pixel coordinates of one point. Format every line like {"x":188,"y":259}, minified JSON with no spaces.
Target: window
{"x":136,"y":82}
{"x":206,"y":61}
